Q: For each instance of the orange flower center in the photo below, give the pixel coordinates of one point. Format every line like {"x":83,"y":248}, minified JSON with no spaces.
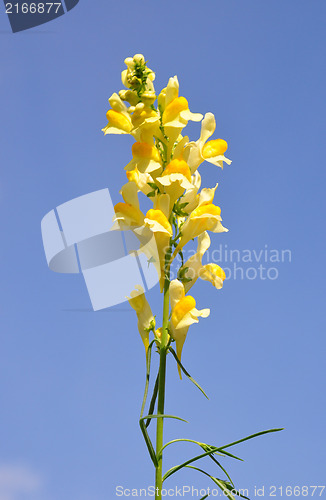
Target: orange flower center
{"x":178,"y":167}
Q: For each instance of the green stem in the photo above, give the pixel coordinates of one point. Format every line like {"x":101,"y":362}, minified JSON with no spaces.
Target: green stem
{"x":161,"y":391}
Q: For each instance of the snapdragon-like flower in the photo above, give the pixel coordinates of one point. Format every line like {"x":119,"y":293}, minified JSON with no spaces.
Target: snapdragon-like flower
{"x":145,"y":157}
{"x":145,"y":122}
{"x":119,"y":121}
{"x":157,"y":221}
{"x":211,"y":151}
{"x":142,"y":180}
{"x":206,"y":217}
{"x":176,"y":113}
{"x":184,"y":314}
{"x":190,"y":199}
{"x":175,"y":179}
{"x":213,"y":273}
{"x":193,"y":265}
{"x":194,"y":269}
{"x":128,"y":214}
{"x":146,"y":320}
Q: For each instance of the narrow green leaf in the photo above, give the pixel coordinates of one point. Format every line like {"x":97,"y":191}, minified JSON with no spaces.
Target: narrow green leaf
{"x":230,"y":455}
{"x":221,"y":467}
{"x":221,"y":484}
{"x":186,"y":373}
{"x":141,"y":421}
{"x":203,"y":498}
{"x":213,"y":450}
{"x":199,"y":444}
{"x":153,"y":400}
{"x":218,"y":482}
{"x":148,"y":443}
{"x":175,"y":469}
{"x":233,"y":490}
{"x":148,"y":368}
{"x":249,"y":437}
{"x":163,"y":416}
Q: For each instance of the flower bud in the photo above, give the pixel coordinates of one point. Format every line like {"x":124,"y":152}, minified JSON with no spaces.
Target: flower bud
{"x":139,"y":58}
{"x":161,"y":99}
{"x":129,"y":62}
{"x":148,"y":97}
{"x":129,"y":96}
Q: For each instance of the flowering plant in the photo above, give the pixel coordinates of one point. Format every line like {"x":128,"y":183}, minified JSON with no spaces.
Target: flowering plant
{"x":164,"y":167}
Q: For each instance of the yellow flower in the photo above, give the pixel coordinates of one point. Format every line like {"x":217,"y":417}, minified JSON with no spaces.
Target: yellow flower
{"x":184,"y":314}
{"x":145,"y":157}
{"x":211,"y":151}
{"x":138,"y":302}
{"x":194,"y":263}
{"x":175,"y":179}
{"x":206,"y":217}
{"x":191,"y":197}
{"x":195,"y":269}
{"x":158,"y":334}
{"x":140,"y":179}
{"x":119,"y":121}
{"x":176,"y":112}
{"x":130,"y":77}
{"x":144,"y":116}
{"x":213,"y":273}
{"x":128,"y":214}
{"x":156,"y":222}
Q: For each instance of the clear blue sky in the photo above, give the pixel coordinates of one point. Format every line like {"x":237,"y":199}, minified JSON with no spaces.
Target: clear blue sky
{"x":71,"y":380}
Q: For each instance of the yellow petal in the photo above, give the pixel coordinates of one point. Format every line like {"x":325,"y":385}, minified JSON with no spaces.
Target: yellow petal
{"x":145,"y":151}
{"x":182,"y":308}
{"x":159,"y":217}
{"x":118,"y":120}
{"x":129,"y":211}
{"x":206,"y":210}
{"x":173,"y":109}
{"x":214,"y":274}
{"x":178,"y":167}
{"x":214,"y":148}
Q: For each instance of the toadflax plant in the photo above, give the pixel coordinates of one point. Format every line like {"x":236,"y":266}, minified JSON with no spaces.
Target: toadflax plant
{"x":164,"y":168}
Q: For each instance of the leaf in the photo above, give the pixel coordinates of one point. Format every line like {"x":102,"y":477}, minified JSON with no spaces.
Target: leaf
{"x":230,"y":455}
{"x":141,"y":421}
{"x":151,"y":194}
{"x":222,"y":454}
{"x":223,"y":485}
{"x":148,"y":367}
{"x":152,"y":185}
{"x":213,"y":450}
{"x":250,"y":437}
{"x":148,"y":442}
{"x":164,"y":416}
{"x":175,"y":469}
{"x":153,"y":400}
{"x":186,"y":373}
{"x":221,"y":467}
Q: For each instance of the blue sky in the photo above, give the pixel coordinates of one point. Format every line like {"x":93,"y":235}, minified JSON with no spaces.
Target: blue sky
{"x":71,"y":380}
